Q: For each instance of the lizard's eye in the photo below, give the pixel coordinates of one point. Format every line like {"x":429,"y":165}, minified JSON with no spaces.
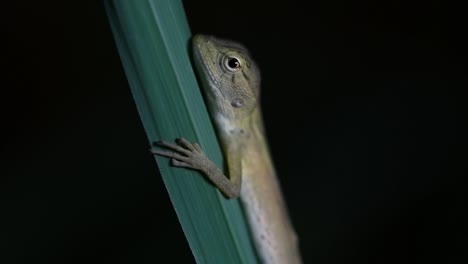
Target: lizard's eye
{"x":232,"y":64}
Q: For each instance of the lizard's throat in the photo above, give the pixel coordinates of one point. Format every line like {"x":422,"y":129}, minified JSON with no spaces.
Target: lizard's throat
{"x":230,"y":130}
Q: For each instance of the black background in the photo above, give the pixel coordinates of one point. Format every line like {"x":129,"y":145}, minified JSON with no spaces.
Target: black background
{"x":362,"y":109}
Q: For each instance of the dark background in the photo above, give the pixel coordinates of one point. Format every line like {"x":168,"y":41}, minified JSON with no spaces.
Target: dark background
{"x":362,"y":109}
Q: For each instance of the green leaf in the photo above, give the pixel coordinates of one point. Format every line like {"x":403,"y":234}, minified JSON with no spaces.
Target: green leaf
{"x":153,"y":40}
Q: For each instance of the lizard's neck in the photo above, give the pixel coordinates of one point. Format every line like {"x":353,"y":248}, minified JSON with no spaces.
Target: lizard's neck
{"x":239,"y":131}
{"x":243,"y":135}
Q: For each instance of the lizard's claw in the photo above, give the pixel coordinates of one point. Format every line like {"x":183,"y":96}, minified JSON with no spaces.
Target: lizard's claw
{"x":186,"y":154}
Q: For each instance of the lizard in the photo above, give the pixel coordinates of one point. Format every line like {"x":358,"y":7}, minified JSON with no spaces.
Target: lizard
{"x":230,"y":81}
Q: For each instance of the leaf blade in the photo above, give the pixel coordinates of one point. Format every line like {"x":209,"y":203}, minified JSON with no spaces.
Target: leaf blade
{"x":153,"y":38}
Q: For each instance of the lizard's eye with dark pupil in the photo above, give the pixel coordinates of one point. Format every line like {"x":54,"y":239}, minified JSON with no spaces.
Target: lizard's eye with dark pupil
{"x":233,"y":64}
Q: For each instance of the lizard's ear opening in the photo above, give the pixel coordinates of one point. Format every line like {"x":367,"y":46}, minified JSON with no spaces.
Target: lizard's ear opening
{"x":237,"y":103}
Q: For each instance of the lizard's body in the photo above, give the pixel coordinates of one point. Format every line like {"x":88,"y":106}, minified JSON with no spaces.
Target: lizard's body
{"x":232,"y":96}
{"x":261,"y":197}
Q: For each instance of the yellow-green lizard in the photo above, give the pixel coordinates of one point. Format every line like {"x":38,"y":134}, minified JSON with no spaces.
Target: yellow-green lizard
{"x":231,"y":84}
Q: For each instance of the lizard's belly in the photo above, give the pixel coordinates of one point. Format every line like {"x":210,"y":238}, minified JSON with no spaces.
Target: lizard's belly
{"x":262,"y":200}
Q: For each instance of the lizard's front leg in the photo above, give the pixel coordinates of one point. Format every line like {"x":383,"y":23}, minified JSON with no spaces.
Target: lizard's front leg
{"x":190,"y":155}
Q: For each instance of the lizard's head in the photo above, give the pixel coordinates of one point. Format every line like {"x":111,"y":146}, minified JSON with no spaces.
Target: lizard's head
{"x":230,"y":78}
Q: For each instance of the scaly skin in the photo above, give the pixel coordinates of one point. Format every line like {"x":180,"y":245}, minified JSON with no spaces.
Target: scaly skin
{"x":231,"y":83}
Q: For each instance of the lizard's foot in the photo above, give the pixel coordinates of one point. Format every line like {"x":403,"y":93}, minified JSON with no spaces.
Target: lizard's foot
{"x":186,"y":155}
